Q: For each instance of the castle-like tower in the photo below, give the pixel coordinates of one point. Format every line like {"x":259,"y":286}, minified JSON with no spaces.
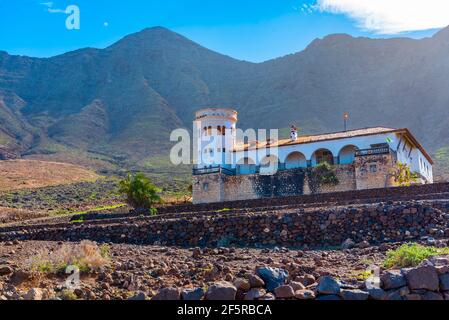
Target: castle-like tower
{"x":216,"y":135}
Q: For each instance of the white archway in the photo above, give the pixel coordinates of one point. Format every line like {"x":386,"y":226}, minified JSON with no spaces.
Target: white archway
{"x":347,"y":154}
{"x":295,"y":160}
{"x":322,"y":155}
{"x":246,"y":165}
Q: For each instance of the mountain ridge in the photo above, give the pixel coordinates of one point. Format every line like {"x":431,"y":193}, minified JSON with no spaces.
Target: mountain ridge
{"x":124,"y":100}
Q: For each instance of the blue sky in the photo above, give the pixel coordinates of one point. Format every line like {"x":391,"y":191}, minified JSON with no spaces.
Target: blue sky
{"x":244,"y":29}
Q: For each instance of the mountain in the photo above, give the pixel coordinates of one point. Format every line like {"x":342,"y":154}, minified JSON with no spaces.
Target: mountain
{"x":121,"y":103}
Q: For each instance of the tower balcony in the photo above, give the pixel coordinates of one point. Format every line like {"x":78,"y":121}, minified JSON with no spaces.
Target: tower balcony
{"x":214,"y":170}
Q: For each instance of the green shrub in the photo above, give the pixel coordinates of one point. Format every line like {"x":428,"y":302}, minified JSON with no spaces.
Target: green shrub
{"x":140,"y":193}
{"x":68,"y":295}
{"x":411,"y":255}
{"x":403,"y":175}
{"x":363,"y":275}
{"x":326,"y":174}
{"x":322,"y":174}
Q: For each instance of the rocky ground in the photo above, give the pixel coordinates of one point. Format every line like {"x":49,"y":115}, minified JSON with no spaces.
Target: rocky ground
{"x":153,"y":272}
{"x":35,"y":270}
{"x":28,"y":204}
{"x":60,"y":198}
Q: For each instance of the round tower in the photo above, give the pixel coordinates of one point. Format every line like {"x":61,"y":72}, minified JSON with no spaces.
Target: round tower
{"x":216,"y":134}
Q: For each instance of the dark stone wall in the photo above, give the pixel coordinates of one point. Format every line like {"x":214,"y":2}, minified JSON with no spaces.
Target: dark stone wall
{"x":429,"y":191}
{"x":373,"y":223}
{"x":282,"y":184}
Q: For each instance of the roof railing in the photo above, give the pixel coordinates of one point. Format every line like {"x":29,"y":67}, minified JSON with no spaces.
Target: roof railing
{"x":373,"y":151}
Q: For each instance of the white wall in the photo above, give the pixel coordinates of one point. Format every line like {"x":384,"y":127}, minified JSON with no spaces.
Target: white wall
{"x":308,"y":149}
{"x":216,"y":142}
{"x":336,"y":146}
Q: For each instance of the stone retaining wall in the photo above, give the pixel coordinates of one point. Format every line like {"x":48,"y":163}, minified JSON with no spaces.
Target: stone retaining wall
{"x":382,"y":194}
{"x":213,"y":188}
{"x":296,"y":228}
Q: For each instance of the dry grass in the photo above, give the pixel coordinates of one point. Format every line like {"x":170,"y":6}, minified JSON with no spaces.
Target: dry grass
{"x":30,"y":174}
{"x":87,"y":256}
{"x":75,"y":159}
{"x":10,"y":215}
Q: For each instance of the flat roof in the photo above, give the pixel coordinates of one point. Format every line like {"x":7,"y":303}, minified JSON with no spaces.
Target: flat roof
{"x":336,"y":136}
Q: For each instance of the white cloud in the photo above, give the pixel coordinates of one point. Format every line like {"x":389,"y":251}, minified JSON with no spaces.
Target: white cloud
{"x":391,"y":16}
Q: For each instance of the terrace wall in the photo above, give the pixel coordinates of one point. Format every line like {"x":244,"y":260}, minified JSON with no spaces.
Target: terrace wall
{"x":291,"y":228}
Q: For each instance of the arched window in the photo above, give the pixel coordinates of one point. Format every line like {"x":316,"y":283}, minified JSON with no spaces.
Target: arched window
{"x":209,"y":131}
{"x":322,"y":155}
{"x":347,"y":154}
{"x":224,"y":130}
{"x":219,"y":132}
{"x":246,"y":166}
{"x":205,"y":131}
{"x":296,"y":160}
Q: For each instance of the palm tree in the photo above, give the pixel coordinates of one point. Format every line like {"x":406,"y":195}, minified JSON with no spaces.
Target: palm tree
{"x":140,"y":193}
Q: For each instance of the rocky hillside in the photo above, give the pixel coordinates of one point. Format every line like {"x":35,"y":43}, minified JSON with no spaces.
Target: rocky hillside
{"x":119,"y":104}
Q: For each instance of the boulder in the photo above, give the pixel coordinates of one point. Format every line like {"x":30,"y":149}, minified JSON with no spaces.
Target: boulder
{"x":423,"y":278}
{"x":348,"y":244}
{"x":268,"y":297}
{"x":439,"y":261}
{"x":404,"y":291}
{"x":431,"y":296}
{"x":328,"y":285}
{"x":393,"y":280}
{"x":297,"y":286}
{"x":328,"y":298}
{"x":192,"y":294}
{"x":5,"y":270}
{"x":394,"y":295}
{"x":377,"y":293}
{"x":363,"y":245}
{"x":242,"y":284}
{"x":284,"y":292}
{"x":34,"y":294}
{"x":256,"y":281}
{"x":255,"y":294}
{"x":168,"y":294}
{"x":196,"y":253}
{"x":140,"y":296}
{"x":354,"y":295}
{"x":413,"y":297}
{"x":305,"y":295}
{"x":306,"y":280}
{"x":273,"y":277}
{"x":442,"y":269}
{"x":444,"y":282}
{"x":222,"y":290}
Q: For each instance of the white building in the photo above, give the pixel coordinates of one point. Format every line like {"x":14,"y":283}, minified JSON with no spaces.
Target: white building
{"x":221,"y":152}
